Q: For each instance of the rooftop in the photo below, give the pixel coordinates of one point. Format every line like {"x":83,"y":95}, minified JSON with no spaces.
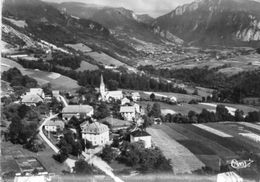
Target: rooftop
{"x":140,"y":133}
{"x":127,"y":109}
{"x":31,"y":98}
{"x":54,"y":123}
{"x":95,"y":128}
{"x":77,"y":109}
{"x":114,"y":122}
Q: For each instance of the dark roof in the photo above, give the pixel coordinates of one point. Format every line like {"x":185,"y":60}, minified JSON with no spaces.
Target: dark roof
{"x":140,"y":133}
{"x":114,"y":122}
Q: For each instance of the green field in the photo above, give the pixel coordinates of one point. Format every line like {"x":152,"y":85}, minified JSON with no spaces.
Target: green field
{"x":213,"y":149}
{"x":104,"y":59}
{"x":9,"y":151}
{"x":87,"y":66}
{"x":56,"y":80}
{"x":79,"y":47}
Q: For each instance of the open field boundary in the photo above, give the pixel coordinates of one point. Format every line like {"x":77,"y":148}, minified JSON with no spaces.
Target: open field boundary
{"x":183,"y":161}
{"x":212,"y":130}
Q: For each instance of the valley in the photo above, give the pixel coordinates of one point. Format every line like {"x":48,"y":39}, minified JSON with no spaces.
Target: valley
{"x":103,"y":92}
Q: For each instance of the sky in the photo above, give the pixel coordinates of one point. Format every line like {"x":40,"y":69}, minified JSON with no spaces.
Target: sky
{"x":154,"y":8}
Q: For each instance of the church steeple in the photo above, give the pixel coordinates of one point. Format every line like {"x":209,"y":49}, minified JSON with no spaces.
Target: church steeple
{"x":102,"y":87}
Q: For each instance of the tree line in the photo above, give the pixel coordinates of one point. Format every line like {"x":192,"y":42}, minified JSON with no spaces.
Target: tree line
{"x":121,"y":79}
{"x":229,"y":89}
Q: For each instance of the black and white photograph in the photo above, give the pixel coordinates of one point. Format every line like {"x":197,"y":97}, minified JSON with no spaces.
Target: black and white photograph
{"x":130,"y":91}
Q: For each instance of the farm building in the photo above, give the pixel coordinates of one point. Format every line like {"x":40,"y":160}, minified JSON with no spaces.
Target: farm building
{"x":97,"y":133}
{"x":128,"y":112}
{"x":77,"y":111}
{"x":140,"y":135}
{"x":116,"y":124}
{"x":54,"y":125}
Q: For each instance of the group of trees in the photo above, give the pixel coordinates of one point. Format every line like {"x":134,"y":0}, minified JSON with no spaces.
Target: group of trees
{"x":23,"y":127}
{"x":147,"y":160}
{"x":70,"y":61}
{"x":122,"y":79}
{"x":229,"y":89}
{"x":16,"y":79}
{"x":221,"y":114}
{"x":69,"y":144}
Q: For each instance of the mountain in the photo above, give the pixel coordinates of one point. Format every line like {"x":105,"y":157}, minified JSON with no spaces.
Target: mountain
{"x":145,"y":18}
{"x":207,"y":22}
{"x":45,"y":22}
{"x":121,"y":22}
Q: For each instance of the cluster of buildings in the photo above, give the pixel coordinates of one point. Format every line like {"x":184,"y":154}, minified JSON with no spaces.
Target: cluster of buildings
{"x":98,"y":133}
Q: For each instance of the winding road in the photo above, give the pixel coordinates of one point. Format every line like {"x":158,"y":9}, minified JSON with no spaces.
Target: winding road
{"x":92,"y":159}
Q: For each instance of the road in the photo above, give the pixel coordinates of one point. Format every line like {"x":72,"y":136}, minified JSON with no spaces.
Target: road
{"x":96,"y":161}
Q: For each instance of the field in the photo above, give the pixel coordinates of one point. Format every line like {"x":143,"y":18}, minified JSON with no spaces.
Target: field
{"x":104,"y":59}
{"x":56,"y":80}
{"x":10,"y":151}
{"x":215,"y":144}
{"x":87,"y":66}
{"x":180,"y":97}
{"x":79,"y":47}
{"x":180,"y":108}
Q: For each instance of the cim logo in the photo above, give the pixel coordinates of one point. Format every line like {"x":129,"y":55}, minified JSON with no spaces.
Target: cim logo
{"x":241,"y":164}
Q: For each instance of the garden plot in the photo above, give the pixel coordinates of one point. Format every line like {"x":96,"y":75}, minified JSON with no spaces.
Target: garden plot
{"x":251,"y":125}
{"x":212,"y":130}
{"x":183,"y":161}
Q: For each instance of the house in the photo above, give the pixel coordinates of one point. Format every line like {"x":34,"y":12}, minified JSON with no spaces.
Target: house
{"x":137,"y":108}
{"x":116,"y":124}
{"x":125,"y":101}
{"x":173,"y":99}
{"x":77,"y":111}
{"x":36,"y":91}
{"x":136,"y":96}
{"x":128,"y":112}
{"x":31,"y":99}
{"x":108,"y":95}
{"x":97,"y":133}
{"x":54,"y":125}
{"x":140,"y":135}
{"x":31,"y":178}
{"x":55,"y":93}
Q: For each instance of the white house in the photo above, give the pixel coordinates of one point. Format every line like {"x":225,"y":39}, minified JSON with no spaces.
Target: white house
{"x":107,"y":95}
{"x":125,"y":101}
{"x":136,"y":96}
{"x":97,"y":133}
{"x":140,"y":135}
{"x":77,"y":111}
{"x":54,"y":125}
{"x":173,"y":99}
{"x":36,"y":91}
{"x":128,"y":112}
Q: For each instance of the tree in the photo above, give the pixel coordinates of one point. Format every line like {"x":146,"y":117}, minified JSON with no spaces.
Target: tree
{"x":196,"y":92}
{"x":108,"y":154}
{"x":152,"y":96}
{"x":239,"y":115}
{"x":82,"y":167}
{"x":223,"y":114}
{"x":112,"y":84}
{"x":102,"y":111}
{"x":192,"y":116}
{"x":156,"y":110}
{"x":147,"y":121}
{"x":253,"y":116}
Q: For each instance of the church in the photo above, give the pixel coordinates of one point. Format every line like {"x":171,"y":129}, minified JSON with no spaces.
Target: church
{"x":109,"y":95}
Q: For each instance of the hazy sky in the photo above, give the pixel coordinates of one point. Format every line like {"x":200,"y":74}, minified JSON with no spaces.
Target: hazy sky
{"x":152,"y":7}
